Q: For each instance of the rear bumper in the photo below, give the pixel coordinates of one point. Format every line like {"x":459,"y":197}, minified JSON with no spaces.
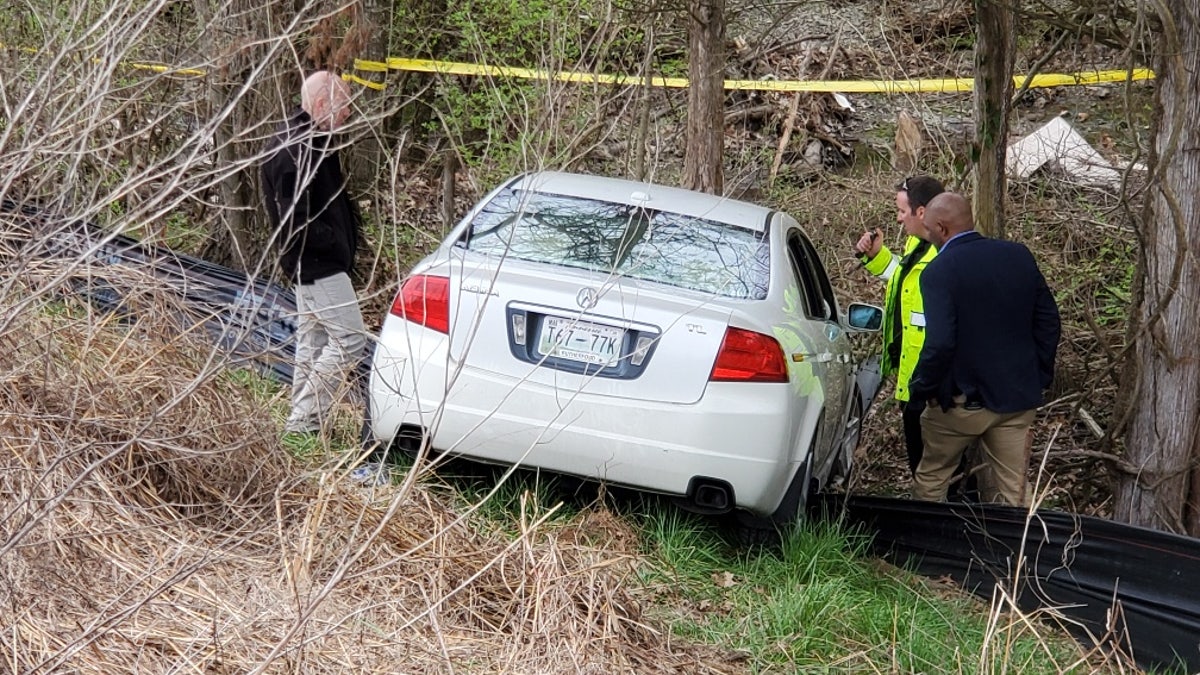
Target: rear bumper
{"x":739,"y":433}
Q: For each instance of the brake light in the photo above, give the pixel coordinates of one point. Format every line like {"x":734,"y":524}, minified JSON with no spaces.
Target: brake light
{"x":747,"y":356}
{"x":424,"y":300}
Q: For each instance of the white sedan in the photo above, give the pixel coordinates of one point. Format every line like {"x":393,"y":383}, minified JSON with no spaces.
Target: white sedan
{"x":647,"y":336}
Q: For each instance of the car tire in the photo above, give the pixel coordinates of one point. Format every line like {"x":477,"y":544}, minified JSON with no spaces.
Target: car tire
{"x":750,"y":530}
{"x":365,"y":434}
{"x":843,"y":465}
{"x":377,"y":451}
{"x":755,"y":532}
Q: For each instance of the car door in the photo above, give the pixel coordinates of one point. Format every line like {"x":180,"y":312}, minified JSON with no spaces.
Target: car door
{"x":827,"y":347}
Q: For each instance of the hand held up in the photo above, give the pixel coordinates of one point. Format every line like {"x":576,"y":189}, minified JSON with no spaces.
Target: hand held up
{"x":869,"y":244}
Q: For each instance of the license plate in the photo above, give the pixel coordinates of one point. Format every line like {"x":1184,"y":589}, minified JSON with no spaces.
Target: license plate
{"x":580,"y":341}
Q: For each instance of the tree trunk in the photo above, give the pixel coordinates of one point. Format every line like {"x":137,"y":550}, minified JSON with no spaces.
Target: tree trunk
{"x":995,"y":48}
{"x":233,"y":242}
{"x":370,"y":149}
{"x":379,"y":19}
{"x":1163,"y":437}
{"x":640,"y":170}
{"x":706,"y":96}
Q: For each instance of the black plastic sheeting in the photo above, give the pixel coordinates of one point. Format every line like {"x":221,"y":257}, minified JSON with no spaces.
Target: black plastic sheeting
{"x":251,"y":319}
{"x":1141,"y":583}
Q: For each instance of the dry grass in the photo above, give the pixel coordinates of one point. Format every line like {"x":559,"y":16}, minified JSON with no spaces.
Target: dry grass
{"x":151,"y":522}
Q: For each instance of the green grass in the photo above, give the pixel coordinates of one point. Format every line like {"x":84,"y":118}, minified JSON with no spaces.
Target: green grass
{"x":818,"y":604}
{"x":262,"y":389}
{"x":304,"y":447}
{"x":503,"y":501}
{"x":338,"y":441}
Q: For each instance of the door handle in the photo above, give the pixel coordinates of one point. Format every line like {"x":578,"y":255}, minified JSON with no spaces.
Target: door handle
{"x":823,"y":357}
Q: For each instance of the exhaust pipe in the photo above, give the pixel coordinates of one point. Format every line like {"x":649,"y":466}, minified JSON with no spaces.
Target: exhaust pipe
{"x":708,"y":496}
{"x":712,"y":497}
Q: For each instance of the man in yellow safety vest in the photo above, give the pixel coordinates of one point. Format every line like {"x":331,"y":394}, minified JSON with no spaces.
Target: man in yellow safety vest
{"x":904,"y":311}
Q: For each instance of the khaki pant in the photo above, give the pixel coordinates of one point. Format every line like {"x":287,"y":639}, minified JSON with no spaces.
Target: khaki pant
{"x":1004,"y":446}
{"x":329,"y":340}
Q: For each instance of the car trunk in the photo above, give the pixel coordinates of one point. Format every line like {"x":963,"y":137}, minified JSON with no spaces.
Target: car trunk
{"x":584,"y":332}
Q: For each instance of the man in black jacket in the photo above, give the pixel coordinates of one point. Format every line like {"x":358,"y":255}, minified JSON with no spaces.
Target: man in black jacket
{"x":317,"y":228}
{"x":991,"y":338}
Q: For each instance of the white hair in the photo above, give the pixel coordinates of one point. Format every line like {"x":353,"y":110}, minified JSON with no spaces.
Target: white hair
{"x":323,"y":85}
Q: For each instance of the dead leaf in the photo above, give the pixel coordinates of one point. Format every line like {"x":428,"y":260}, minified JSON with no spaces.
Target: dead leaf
{"x":724,"y":579}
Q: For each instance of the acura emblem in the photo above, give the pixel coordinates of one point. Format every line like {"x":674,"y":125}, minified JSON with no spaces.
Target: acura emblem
{"x":587,"y":298}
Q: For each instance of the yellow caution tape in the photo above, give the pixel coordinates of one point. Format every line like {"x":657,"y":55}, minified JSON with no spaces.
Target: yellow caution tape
{"x":843,"y":86}
{"x":152,"y":67}
{"x":377,"y":86}
{"x":372,"y":66}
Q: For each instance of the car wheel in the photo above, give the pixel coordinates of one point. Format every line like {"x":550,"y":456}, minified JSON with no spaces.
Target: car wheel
{"x":843,"y":465}
{"x":375,"y":449}
{"x":754,"y":532}
{"x":365,"y":434}
{"x":750,"y":530}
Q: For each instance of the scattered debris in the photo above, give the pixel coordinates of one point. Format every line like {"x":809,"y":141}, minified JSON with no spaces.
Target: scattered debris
{"x":814,"y":152}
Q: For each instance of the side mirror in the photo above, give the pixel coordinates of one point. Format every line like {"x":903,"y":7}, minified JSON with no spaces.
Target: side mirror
{"x":864,"y":317}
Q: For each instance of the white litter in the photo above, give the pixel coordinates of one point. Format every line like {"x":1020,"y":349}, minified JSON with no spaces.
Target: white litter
{"x":843,"y":101}
{"x":1059,"y":143}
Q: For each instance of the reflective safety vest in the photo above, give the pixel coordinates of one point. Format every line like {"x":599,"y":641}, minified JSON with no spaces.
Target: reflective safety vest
{"x":904,"y":308}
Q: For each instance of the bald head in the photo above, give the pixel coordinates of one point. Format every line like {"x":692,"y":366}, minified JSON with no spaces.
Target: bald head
{"x":326,"y":98}
{"x":946,"y":215}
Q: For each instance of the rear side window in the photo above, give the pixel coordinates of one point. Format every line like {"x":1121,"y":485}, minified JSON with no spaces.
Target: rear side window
{"x":629,"y":241}
{"x":817,"y":292}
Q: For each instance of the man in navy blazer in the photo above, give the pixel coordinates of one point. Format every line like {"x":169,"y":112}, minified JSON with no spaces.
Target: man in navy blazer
{"x":991,"y":337}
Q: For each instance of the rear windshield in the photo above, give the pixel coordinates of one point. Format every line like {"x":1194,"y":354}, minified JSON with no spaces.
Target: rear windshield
{"x":629,"y":241}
